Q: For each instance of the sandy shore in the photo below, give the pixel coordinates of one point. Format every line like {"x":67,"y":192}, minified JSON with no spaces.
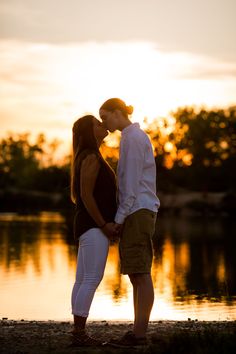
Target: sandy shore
{"x":20,"y":337}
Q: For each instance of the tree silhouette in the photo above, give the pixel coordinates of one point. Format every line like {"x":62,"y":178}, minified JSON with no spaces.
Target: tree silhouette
{"x":195,"y":149}
{"x":199,"y":152}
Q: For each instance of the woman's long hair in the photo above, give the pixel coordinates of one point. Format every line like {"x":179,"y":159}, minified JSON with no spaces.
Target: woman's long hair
{"x":82,"y":139}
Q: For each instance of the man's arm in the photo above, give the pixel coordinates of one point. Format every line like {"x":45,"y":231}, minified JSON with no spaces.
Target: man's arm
{"x":129,"y":177}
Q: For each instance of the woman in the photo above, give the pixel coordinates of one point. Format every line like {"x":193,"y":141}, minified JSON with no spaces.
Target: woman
{"x":93,"y":190}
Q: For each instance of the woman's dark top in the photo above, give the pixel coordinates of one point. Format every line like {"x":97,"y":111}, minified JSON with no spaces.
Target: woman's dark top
{"x":104,"y":195}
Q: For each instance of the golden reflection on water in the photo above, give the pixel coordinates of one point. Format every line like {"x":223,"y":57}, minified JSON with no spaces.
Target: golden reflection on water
{"x":37,"y":270}
{"x":42,"y":217}
{"x":169,"y":273}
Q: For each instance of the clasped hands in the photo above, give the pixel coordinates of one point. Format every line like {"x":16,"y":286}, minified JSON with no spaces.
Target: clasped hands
{"x":112,"y":230}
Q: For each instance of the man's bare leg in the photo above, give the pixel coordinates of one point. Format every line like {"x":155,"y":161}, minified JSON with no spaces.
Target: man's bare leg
{"x":143,"y":302}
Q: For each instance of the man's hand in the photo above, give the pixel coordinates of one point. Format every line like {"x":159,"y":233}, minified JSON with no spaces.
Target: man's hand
{"x":118,"y":228}
{"x":110,"y":231}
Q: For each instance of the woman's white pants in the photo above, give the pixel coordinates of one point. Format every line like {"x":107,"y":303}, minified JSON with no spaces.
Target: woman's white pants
{"x":91,"y":261}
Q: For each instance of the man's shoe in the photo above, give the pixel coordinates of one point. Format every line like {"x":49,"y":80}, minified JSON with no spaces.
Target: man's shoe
{"x":82,"y":339}
{"x":129,"y":340}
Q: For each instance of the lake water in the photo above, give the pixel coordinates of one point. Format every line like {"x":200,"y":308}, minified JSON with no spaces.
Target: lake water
{"x":194,"y":271}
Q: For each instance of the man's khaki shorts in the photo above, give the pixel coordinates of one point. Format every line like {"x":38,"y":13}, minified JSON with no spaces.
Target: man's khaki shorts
{"x":135,"y":247}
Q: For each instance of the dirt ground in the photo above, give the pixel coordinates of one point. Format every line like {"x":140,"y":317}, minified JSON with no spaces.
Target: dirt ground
{"x":24,"y":337}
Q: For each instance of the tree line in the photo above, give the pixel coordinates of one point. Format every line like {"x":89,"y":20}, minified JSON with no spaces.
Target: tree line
{"x":194,"y":148}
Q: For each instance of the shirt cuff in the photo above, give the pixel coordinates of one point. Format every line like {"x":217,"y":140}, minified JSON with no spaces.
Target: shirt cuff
{"x":120,"y":218}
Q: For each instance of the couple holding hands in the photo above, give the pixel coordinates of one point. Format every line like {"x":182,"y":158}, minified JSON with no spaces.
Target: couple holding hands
{"x":99,"y":218}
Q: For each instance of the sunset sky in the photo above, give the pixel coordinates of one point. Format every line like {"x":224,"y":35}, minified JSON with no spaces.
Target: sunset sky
{"x":60,"y":59}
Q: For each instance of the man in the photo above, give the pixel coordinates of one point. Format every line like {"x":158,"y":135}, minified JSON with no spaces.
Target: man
{"x":136,"y":214}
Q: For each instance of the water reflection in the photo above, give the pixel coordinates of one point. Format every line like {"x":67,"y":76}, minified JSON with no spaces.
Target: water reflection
{"x":193,"y":271}
{"x":200,"y":256}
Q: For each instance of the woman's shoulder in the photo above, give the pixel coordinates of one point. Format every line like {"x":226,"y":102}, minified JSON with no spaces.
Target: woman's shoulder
{"x":89,"y":154}
{"x":90,"y":159}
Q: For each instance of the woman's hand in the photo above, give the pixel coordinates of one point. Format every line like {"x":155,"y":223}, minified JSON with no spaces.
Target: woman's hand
{"x":110,"y":231}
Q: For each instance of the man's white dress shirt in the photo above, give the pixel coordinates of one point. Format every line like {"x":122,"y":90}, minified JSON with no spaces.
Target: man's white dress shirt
{"x":136,"y":174}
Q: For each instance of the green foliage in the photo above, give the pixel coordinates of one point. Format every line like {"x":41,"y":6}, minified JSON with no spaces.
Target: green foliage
{"x":22,"y":164}
{"x":19,"y":160}
{"x":28,"y":178}
{"x":210,"y":135}
{"x":208,"y":139}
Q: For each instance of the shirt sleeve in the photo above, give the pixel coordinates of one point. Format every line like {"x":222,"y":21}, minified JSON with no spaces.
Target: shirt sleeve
{"x":129,"y":176}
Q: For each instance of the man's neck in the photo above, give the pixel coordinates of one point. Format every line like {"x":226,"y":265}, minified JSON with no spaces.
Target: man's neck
{"x":124,"y":124}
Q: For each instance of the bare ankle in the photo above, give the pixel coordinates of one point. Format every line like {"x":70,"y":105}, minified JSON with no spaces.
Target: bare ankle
{"x":139,"y":334}
{"x":79,"y":322}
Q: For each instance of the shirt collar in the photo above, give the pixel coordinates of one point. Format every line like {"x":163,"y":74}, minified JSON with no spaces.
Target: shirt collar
{"x":129,"y":128}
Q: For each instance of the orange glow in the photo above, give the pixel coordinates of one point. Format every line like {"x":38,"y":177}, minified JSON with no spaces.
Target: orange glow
{"x":109,"y":152}
{"x":50,"y":95}
{"x":224,"y":145}
{"x":187,"y":159}
{"x":168,"y":147}
{"x":37,"y":280}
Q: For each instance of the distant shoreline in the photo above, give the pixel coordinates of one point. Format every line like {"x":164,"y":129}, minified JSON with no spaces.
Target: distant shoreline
{"x":163,"y":336}
{"x":180,"y":203}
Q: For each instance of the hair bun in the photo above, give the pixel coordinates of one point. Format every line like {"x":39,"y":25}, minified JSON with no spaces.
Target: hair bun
{"x":129,"y":109}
